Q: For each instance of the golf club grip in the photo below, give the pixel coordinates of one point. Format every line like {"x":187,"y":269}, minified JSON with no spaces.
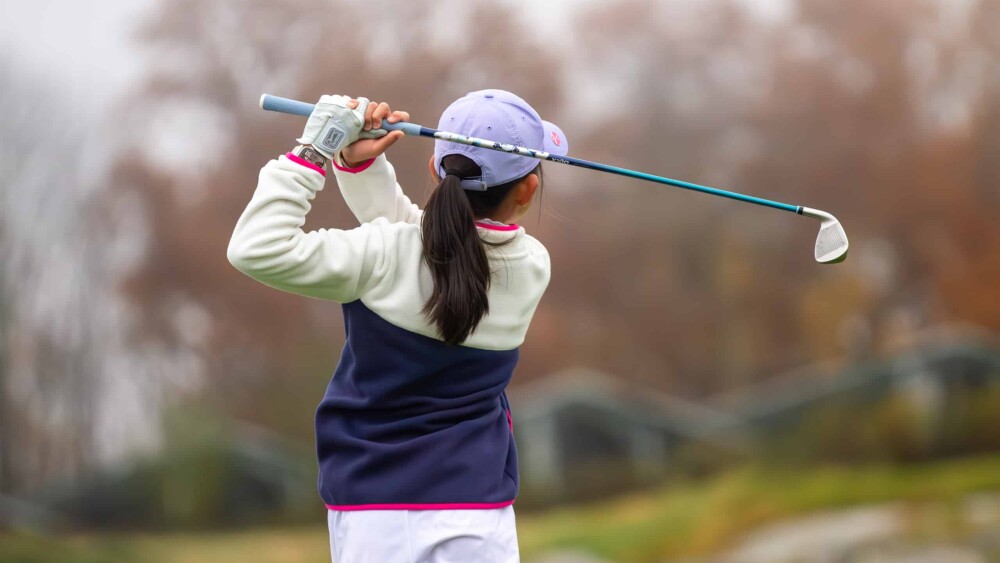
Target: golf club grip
{"x":295,"y":107}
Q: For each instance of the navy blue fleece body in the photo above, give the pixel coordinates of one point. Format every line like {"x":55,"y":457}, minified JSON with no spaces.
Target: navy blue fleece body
{"x":411,"y":422}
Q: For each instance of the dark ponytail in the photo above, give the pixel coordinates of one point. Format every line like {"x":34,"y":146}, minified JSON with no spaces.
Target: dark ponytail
{"x":453,"y":251}
{"x":457,"y":260}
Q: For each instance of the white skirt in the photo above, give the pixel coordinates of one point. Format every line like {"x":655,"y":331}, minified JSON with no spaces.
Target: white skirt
{"x":423,"y":536}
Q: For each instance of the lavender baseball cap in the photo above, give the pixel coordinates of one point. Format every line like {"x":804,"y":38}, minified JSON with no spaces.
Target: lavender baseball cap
{"x":496,"y":115}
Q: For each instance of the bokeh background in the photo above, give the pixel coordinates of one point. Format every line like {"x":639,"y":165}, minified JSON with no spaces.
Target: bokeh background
{"x":694,"y":386}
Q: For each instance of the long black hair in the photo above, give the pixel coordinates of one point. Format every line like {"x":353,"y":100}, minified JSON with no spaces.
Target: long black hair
{"x":454,"y":253}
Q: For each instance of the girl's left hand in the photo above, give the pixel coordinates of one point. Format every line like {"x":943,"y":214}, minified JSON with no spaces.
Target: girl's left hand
{"x":363,"y":150}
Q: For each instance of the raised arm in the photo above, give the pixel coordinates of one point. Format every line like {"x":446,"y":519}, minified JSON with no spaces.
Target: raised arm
{"x":371,"y":191}
{"x":366,"y":178}
{"x":270,"y":246}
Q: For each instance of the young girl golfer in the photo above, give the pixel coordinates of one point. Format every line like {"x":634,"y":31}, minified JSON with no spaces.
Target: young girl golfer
{"x":414,"y":436}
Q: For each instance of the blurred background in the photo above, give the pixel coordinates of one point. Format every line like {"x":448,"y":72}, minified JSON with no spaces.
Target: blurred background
{"x":694,"y":386}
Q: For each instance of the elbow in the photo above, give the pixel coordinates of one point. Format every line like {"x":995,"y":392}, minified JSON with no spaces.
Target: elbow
{"x":238,"y":254}
{"x":259,"y":259}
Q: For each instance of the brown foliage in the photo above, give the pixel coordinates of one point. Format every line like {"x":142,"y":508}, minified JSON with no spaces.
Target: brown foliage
{"x":679,"y":290}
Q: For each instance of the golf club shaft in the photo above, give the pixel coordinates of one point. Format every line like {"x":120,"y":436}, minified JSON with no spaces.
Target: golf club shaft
{"x":285,"y":105}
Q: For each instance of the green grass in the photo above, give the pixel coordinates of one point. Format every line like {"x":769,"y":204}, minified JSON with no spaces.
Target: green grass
{"x":285,"y":545}
{"x":682,"y":519}
{"x":692,"y":519}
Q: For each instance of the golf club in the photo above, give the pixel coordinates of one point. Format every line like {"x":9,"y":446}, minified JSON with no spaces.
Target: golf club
{"x":831,"y":242}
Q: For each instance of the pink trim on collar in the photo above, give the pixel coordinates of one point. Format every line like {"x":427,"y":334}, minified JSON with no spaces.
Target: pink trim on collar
{"x":492,"y":227}
{"x":359,"y":168}
{"x":434,"y":506}
{"x":304,"y":162}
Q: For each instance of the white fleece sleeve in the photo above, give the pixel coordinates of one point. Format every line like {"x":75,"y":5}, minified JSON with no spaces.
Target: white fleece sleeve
{"x":371,"y":191}
{"x":270,"y":246}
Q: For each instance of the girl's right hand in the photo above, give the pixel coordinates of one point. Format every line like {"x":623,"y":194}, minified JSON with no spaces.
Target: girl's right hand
{"x":363,"y":150}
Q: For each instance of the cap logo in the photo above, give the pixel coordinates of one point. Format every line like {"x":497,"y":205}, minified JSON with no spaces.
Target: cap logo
{"x":556,"y":139}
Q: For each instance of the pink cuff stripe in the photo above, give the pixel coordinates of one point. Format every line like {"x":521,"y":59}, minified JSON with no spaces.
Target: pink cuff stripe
{"x":359,"y":168}
{"x":305,"y":163}
{"x":439,"y":506}
{"x":490,"y":227}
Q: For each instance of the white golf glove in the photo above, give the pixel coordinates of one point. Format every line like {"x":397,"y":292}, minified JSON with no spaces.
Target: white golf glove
{"x":332,"y":125}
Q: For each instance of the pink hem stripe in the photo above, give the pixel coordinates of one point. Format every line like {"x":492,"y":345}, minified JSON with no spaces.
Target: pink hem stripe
{"x":497,"y":227}
{"x":359,"y":168}
{"x":306,"y":163}
{"x":438,"y":506}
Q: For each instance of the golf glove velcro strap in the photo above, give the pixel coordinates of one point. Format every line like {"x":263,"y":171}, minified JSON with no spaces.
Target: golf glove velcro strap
{"x":333,"y":125}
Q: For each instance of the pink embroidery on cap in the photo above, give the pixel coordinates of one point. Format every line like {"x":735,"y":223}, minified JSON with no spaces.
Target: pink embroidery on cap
{"x":556,"y":139}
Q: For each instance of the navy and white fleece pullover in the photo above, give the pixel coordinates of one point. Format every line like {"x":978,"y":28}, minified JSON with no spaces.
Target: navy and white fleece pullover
{"x":407,"y":422}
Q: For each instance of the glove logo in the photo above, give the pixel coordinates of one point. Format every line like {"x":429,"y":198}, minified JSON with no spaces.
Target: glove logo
{"x":333,"y":138}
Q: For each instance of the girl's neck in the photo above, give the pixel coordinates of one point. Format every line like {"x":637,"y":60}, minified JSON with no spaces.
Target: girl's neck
{"x":505,"y":215}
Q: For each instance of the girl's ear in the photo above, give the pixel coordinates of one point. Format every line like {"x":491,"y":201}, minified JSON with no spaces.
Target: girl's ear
{"x":430,"y":166}
{"x":525,"y":191}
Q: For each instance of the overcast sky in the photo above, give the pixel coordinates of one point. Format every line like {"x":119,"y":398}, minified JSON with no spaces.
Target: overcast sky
{"x":81,"y":45}
{"x":86,"y":46}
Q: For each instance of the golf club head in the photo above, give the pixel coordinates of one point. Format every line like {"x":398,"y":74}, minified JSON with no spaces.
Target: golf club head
{"x":831,"y":242}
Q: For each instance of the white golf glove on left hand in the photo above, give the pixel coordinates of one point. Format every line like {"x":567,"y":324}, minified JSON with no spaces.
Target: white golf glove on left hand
{"x":333,"y":125}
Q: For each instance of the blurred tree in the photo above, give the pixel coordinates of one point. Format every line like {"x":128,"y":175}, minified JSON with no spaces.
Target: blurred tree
{"x":840,"y":108}
{"x":6,"y":420}
{"x":47,"y":378}
{"x":77,"y":391}
{"x":887,"y":113}
{"x":831,"y":107}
